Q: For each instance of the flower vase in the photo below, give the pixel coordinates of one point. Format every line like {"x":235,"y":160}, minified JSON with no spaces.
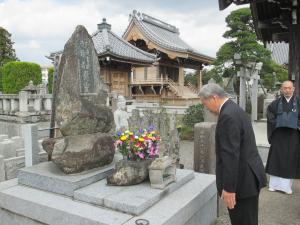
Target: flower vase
{"x":129,"y":172}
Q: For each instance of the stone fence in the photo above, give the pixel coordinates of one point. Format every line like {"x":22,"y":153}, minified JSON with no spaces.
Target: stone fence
{"x":25,"y":103}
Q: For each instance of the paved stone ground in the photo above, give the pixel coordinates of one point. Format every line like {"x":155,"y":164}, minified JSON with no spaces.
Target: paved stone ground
{"x":275,"y":208}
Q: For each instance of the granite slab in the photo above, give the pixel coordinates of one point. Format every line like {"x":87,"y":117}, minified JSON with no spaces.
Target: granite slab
{"x":47,"y":176}
{"x":133,"y":199}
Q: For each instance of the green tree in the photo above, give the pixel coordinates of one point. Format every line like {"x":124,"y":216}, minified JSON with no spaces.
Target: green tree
{"x":207,"y":74}
{"x":191,"y":78}
{"x":16,"y":75}
{"x":7,"y":52}
{"x":50,"y":79}
{"x":242,"y":39}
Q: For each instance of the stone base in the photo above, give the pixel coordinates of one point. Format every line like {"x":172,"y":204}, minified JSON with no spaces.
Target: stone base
{"x":192,"y":204}
{"x":130,"y":199}
{"x":47,"y":176}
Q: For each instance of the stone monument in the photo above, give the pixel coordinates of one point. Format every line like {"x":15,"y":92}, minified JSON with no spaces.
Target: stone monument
{"x":80,"y":109}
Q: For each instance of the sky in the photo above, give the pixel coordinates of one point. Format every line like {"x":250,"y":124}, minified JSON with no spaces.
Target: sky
{"x":39,"y":27}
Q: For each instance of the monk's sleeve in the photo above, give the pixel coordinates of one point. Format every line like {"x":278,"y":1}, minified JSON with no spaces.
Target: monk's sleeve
{"x":271,"y":120}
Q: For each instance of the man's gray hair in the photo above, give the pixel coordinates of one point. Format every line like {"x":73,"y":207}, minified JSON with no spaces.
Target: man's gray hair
{"x":212,"y":89}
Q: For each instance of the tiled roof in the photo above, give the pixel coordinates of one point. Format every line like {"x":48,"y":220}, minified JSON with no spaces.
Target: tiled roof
{"x":107,"y":42}
{"x":280,"y":52}
{"x":161,"y":33}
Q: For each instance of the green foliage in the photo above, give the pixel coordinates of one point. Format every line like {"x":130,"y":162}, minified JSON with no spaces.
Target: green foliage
{"x":7,"y":53}
{"x":269,"y":80}
{"x":16,"y":75}
{"x":50,"y":79}
{"x":191,"y":78}
{"x":213,"y":73}
{"x":243,"y":40}
{"x":194,"y":114}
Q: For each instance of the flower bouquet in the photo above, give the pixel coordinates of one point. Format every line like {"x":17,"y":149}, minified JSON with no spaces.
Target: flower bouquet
{"x":138,"y":145}
{"x":139,"y":148}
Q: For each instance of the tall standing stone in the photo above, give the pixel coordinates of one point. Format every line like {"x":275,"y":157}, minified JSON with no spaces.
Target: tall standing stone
{"x":204,"y":147}
{"x":79,"y":88}
{"x":80,"y":108}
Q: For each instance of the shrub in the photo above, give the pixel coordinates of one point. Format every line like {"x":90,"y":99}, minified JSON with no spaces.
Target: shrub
{"x":16,"y":75}
{"x":194,"y":114}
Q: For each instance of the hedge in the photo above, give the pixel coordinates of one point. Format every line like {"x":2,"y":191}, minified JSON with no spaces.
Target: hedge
{"x":16,"y":75}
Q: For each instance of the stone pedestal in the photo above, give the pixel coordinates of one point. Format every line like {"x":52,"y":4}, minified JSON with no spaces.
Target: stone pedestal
{"x":267,"y":102}
{"x":192,"y":200}
{"x":162,"y":172}
{"x":47,"y":176}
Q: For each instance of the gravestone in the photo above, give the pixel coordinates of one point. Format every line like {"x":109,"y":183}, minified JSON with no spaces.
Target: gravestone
{"x":80,"y":108}
{"x":165,"y":124}
{"x":204,"y":147}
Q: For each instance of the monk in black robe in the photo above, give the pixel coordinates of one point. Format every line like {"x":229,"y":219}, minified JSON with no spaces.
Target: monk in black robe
{"x":283,"y":117}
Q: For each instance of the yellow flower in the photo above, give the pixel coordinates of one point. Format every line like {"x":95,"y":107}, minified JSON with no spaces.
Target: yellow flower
{"x":130,"y":133}
{"x":123,"y":138}
{"x":141,"y":139}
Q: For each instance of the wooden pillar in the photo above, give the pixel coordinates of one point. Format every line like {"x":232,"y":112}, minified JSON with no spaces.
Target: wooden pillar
{"x":294,"y":56}
{"x":181,"y":76}
{"x":199,"y":79}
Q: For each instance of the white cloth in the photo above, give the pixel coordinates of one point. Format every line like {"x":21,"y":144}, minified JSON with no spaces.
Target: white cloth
{"x":226,"y":99}
{"x":281,"y":184}
{"x":288,"y":99}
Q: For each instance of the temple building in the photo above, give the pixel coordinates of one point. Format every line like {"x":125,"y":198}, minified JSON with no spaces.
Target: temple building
{"x":117,"y":57}
{"x":147,"y":63}
{"x":164,"y":80}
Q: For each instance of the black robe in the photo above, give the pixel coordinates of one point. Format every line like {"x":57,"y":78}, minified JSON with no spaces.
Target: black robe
{"x":284,"y":154}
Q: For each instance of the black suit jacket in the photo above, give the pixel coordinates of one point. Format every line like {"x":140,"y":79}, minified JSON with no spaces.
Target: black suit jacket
{"x":239,"y":168}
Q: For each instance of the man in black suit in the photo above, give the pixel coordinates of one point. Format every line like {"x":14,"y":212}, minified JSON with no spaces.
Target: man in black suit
{"x":239,"y":169}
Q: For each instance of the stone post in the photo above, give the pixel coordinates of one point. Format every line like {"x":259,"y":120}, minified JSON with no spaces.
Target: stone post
{"x":30,"y":134}
{"x":23,"y":101}
{"x":2,"y":169}
{"x":47,"y":104}
{"x":14,"y":105}
{"x":242,"y":102}
{"x":37,"y":103}
{"x":204,"y":147}
{"x":6,"y":105}
{"x":254,"y":91}
{"x":267,"y":102}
